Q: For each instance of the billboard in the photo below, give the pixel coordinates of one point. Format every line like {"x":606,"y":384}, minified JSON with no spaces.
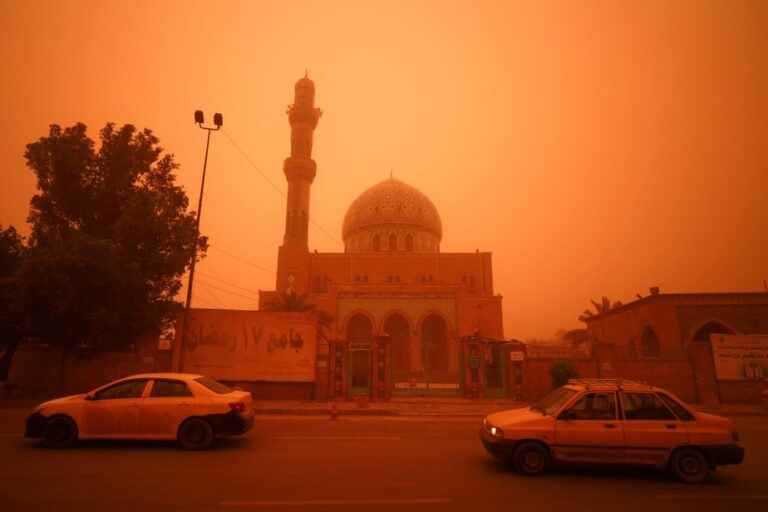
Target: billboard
{"x":250,"y":345}
{"x":740,"y":357}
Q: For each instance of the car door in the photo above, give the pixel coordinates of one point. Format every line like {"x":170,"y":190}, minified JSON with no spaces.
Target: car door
{"x":114,"y":410}
{"x":651,"y":429}
{"x":168,"y":403}
{"x":590,"y":430}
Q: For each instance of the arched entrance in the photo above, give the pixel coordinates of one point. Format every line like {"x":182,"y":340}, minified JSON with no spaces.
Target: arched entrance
{"x":700,"y":350}
{"x":434,"y":349}
{"x":360,"y":339}
{"x":399,"y":330}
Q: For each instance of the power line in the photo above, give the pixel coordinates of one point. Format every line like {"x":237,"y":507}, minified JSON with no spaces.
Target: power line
{"x":242,"y":260}
{"x":209,"y":276}
{"x":274,"y":186}
{"x":233,"y":293}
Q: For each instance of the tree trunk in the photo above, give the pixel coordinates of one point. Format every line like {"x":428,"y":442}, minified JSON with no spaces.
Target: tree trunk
{"x":6,"y":359}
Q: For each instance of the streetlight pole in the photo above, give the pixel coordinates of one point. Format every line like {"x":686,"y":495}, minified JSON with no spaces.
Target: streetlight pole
{"x":218,"y":121}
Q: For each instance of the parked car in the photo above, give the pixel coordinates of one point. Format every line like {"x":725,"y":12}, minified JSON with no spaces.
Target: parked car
{"x":193,"y":409}
{"x":609,"y":421}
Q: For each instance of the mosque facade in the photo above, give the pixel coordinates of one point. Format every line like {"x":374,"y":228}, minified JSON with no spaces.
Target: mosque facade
{"x":400,"y":311}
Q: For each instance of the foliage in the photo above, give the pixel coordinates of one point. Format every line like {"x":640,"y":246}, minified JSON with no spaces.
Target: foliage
{"x":293,"y":302}
{"x":601,"y":307}
{"x":111,"y":238}
{"x":560,"y":371}
{"x":12,"y":253}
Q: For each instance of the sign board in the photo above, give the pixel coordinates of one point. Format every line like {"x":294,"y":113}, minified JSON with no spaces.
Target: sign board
{"x":251,"y":345}
{"x":423,"y":385}
{"x":359,"y":346}
{"x":740,"y":357}
{"x":517,"y":356}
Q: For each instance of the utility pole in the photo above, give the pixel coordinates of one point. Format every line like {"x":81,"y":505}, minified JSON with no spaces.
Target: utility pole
{"x":218,"y":121}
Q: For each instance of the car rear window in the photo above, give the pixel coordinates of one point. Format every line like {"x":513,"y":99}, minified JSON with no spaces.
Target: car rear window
{"x":682,"y":413}
{"x":213,"y":385}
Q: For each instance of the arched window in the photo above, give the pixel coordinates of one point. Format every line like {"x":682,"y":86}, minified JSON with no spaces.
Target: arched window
{"x":376,"y":243}
{"x":649,"y":345}
{"x":702,"y":335}
{"x":392,"y":242}
{"x":409,"y":242}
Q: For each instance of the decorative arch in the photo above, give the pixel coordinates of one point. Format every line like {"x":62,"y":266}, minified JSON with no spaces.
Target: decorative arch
{"x":392,"y":244}
{"x":376,"y":242}
{"x":712,"y":326}
{"x":650,"y":346}
{"x":409,"y":242}
{"x":343,"y":325}
{"x":397,"y":325}
{"x":433,"y":330}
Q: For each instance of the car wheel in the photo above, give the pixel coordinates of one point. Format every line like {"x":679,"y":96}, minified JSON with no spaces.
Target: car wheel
{"x":60,"y":432}
{"x":530,"y":458}
{"x":689,"y":465}
{"x":195,"y":434}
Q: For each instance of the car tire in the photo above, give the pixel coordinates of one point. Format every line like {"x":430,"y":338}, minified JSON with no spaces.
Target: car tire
{"x":530,"y":458}
{"x":689,"y":465}
{"x":195,"y":434}
{"x":60,"y":432}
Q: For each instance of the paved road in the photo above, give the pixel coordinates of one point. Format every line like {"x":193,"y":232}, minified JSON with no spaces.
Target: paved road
{"x":313,"y":465}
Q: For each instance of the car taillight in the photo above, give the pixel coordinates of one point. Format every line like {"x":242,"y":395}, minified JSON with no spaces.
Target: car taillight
{"x":237,"y":406}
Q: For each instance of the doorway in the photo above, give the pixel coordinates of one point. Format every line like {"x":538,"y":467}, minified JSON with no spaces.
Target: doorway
{"x":360,"y":338}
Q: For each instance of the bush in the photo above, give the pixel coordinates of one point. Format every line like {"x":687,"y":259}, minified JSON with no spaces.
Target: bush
{"x":561,"y":371}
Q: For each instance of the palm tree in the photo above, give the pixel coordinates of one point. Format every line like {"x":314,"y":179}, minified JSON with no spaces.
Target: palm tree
{"x":295,"y":303}
{"x":600,"y":307}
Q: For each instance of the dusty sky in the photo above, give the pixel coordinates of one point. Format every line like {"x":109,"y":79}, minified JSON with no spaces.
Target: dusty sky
{"x":595,"y":147}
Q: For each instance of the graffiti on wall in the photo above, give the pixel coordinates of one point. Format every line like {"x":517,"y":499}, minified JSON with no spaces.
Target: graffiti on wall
{"x":251,"y":345}
{"x":740,"y":357}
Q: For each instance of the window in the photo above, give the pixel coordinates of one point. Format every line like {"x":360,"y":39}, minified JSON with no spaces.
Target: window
{"x":169,"y":388}
{"x":215,"y":386}
{"x":645,"y":406}
{"x":129,"y":389}
{"x":594,"y":406}
{"x":553,"y":401}
{"x":649,"y":345}
{"x":376,"y":243}
{"x":682,"y":413}
{"x":392,"y":242}
{"x":409,"y":242}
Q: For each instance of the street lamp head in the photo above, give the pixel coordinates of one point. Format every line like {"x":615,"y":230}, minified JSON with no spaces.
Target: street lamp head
{"x":218,"y":119}
{"x":199,"y":117}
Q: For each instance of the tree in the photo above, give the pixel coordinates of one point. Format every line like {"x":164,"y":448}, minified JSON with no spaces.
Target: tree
{"x":560,"y":371}
{"x":295,"y":303}
{"x":111,"y":238}
{"x":601,"y":307}
{"x":12,"y":252}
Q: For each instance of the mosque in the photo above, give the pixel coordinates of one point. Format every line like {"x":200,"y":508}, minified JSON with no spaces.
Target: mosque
{"x":400,"y":306}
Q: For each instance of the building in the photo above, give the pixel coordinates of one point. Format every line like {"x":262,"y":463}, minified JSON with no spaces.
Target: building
{"x":400,"y":306}
{"x":669,"y":339}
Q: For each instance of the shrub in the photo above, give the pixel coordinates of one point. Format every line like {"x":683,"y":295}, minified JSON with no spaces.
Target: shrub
{"x":561,"y":371}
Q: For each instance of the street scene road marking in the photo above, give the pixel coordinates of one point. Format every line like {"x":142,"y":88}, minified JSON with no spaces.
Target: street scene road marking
{"x":340,"y":438}
{"x":721,"y":497}
{"x":317,"y":503}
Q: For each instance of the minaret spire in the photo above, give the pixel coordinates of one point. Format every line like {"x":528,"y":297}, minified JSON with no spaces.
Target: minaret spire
{"x":300,"y":170}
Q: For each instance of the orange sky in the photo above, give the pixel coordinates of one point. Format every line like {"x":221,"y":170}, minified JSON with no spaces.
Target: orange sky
{"x":595,"y":147}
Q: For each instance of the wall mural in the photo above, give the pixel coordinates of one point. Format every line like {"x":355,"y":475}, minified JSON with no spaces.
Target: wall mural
{"x":251,"y":345}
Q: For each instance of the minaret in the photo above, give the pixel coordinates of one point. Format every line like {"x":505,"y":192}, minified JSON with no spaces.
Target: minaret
{"x":300,"y":170}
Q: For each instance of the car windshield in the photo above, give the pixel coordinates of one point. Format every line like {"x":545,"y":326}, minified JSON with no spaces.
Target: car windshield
{"x":213,"y":385}
{"x":553,"y":401}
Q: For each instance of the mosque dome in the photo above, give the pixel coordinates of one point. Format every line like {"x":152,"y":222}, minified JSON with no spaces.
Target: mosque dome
{"x":392,"y":216}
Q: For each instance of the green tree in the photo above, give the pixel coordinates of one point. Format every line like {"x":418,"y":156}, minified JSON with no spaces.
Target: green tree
{"x":560,"y":371}
{"x":601,"y":307}
{"x":12,"y":252}
{"x":111,"y":238}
